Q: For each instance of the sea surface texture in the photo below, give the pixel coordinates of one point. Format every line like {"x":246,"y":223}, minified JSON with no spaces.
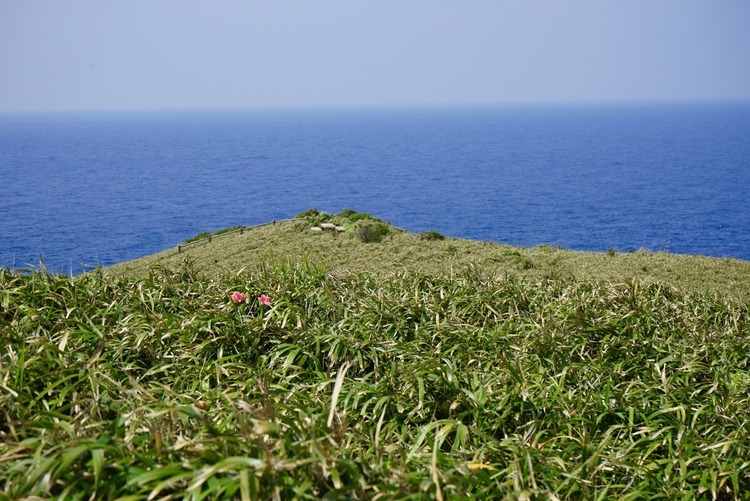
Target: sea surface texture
{"x":83,"y":190}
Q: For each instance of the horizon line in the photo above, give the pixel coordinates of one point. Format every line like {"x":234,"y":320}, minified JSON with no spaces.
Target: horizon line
{"x":381,"y":106}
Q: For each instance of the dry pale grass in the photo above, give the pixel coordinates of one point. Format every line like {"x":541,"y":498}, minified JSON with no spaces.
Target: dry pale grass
{"x":400,"y":251}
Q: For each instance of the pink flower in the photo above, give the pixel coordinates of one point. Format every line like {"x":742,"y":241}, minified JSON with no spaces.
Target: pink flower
{"x":264,"y":300}
{"x":238,"y":297}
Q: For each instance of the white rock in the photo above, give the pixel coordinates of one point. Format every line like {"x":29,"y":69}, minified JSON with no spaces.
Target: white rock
{"x":315,"y":228}
{"x":328,"y":226}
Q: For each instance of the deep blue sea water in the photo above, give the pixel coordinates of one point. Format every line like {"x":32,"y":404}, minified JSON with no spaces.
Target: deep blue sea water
{"x":88,"y":189}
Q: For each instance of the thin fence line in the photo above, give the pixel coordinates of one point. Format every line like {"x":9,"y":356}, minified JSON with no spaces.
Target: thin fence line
{"x":239,"y":230}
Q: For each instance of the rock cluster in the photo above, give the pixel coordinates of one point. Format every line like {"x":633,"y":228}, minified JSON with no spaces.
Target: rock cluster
{"x":328,"y":226}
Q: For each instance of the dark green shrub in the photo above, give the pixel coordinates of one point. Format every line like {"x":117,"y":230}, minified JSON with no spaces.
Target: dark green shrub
{"x":199,"y":236}
{"x":357,"y":216}
{"x":227,"y":230}
{"x":308,"y":213}
{"x":347,"y":213}
{"x":372,"y":233}
{"x":431,"y":235}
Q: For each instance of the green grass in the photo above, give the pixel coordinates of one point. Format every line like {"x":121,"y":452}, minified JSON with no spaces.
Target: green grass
{"x":400,"y":251}
{"x":436,"y":376}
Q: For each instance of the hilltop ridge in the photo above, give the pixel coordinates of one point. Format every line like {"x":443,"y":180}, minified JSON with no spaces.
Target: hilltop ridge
{"x":392,"y":250}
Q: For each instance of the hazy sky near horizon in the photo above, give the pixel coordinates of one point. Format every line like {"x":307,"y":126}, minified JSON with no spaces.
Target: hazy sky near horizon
{"x":190,"y":54}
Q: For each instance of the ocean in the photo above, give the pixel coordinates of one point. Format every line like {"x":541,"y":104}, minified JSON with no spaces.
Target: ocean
{"x":84,"y":190}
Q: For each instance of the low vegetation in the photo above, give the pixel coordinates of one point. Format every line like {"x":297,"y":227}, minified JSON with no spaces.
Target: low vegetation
{"x":205,"y":234}
{"x":292,"y":377}
{"x":373,"y":233}
{"x":431,"y":235}
{"x":428,"y":254}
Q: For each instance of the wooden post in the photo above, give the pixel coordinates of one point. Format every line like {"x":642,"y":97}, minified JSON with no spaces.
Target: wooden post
{"x":209,"y":239}
{"x":179,"y":249}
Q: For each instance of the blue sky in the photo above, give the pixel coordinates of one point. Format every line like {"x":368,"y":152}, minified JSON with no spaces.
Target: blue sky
{"x":189,"y":54}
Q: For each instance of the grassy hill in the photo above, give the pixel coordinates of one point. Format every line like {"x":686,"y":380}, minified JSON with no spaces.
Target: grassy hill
{"x":379,"y":365}
{"x":400,"y":251}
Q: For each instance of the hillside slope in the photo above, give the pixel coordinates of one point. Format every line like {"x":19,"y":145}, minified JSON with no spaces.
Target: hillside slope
{"x":452,"y":369}
{"x":400,"y":251}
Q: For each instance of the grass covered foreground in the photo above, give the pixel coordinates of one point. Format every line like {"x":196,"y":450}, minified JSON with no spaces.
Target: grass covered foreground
{"x":369,"y":385}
